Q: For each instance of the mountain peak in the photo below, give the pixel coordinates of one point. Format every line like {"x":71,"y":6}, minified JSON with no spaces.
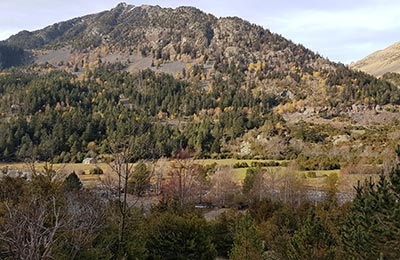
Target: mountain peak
{"x":124,"y":5}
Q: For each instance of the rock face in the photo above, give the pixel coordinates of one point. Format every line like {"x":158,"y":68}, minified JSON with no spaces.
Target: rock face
{"x":381,"y":62}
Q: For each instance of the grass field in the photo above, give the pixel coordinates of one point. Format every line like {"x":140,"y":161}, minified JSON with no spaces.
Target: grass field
{"x":316,"y":179}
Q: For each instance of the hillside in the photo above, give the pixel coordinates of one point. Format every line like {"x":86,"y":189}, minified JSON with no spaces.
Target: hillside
{"x":188,"y":43}
{"x":12,"y":56}
{"x":183,"y":79}
{"x":380,"y":62}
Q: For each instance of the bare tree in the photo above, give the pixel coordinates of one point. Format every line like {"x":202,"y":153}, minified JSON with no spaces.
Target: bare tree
{"x":86,"y":216}
{"x":160,"y":170}
{"x":122,"y":168}
{"x":293,"y":190}
{"x":30,"y":229}
{"x":223,"y":186}
{"x":272,"y":179}
{"x":182,"y":182}
{"x":258,"y":189}
{"x":264,"y":182}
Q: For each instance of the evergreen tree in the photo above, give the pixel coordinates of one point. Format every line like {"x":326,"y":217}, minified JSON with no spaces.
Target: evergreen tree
{"x":247,"y":243}
{"x":140,"y":180}
{"x":179,"y":238}
{"x":72,"y":182}
{"x":312,"y":241}
{"x":372,"y":228}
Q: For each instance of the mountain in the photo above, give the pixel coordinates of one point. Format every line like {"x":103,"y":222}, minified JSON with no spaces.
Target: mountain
{"x":186,"y":42}
{"x":380,"y":62}
{"x":182,"y":79}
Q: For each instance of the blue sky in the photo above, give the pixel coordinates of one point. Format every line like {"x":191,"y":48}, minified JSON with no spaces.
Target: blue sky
{"x":342,"y":30}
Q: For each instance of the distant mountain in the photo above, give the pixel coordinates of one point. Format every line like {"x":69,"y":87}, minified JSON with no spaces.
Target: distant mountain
{"x":191,"y":44}
{"x":381,"y":62}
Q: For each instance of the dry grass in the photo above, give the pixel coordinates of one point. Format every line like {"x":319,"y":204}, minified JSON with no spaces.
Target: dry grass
{"x":346,"y":181}
{"x":380,"y":62}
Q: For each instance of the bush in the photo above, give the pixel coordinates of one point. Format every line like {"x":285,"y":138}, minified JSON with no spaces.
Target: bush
{"x":318,"y":163}
{"x":241,"y":165}
{"x":265,"y":164}
{"x":96,"y":170}
{"x":311,"y":175}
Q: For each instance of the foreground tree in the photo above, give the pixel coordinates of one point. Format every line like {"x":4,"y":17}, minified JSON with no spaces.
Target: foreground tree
{"x":372,"y":228}
{"x":312,"y":241}
{"x":223,"y":229}
{"x":121,"y":167}
{"x":247,"y":243}
{"x":85,"y":219}
{"x":173,"y":237}
{"x":30,"y":229}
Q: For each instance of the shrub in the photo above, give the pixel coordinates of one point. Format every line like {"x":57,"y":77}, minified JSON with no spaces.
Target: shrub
{"x":265,"y":164}
{"x":96,"y":170}
{"x":241,"y":165}
{"x":318,"y":163}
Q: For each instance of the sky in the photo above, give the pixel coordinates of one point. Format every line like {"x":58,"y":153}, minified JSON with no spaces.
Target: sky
{"x":341,"y":30}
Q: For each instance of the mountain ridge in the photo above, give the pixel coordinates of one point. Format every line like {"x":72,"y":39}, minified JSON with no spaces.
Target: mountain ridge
{"x":380,"y":62}
{"x":165,"y":37}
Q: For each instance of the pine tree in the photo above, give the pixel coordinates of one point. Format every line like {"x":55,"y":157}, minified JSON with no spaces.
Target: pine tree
{"x":72,"y":182}
{"x":372,"y":229}
{"x":140,"y":180}
{"x":312,"y":241}
{"x":247,"y":243}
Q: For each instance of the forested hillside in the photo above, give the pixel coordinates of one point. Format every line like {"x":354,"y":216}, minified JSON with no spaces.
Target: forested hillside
{"x":12,"y":56}
{"x":180,"y":79}
{"x":196,"y":46}
{"x":54,"y":115}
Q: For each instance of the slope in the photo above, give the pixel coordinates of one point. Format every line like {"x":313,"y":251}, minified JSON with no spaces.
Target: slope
{"x":230,"y":86}
{"x":380,"y":62}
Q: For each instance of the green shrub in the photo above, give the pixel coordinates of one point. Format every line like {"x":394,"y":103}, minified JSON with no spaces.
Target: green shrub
{"x":96,"y":170}
{"x":241,"y":165}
